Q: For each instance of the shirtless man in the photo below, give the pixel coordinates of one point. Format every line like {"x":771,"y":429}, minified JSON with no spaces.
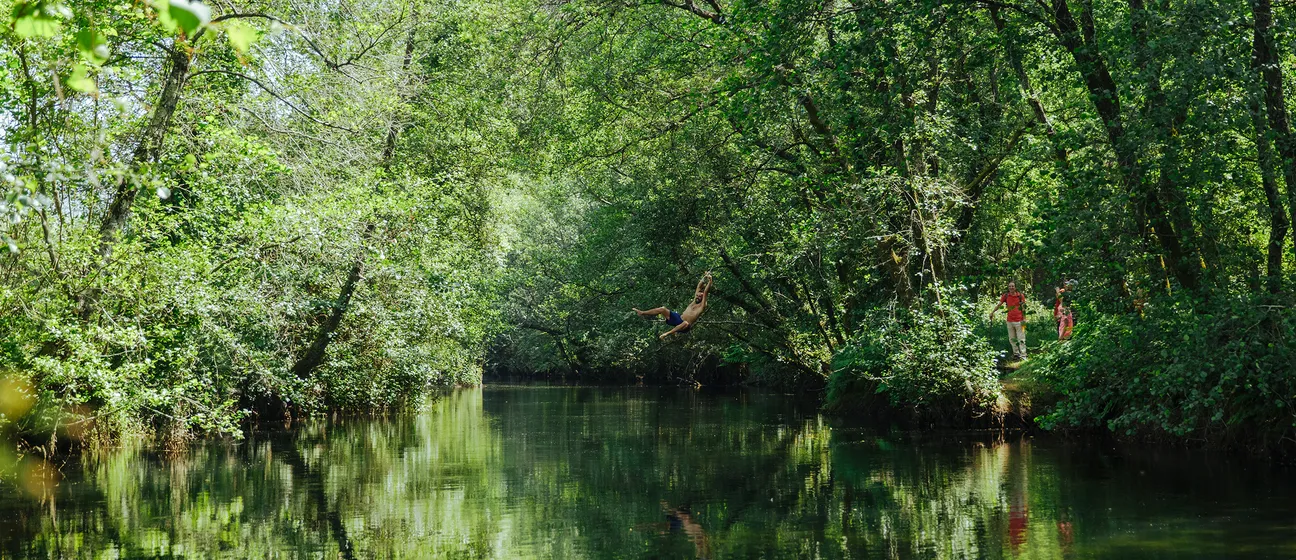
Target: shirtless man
{"x":682,"y":322}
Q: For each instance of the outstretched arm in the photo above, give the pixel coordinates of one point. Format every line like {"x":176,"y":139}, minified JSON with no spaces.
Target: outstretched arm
{"x":706,"y":279}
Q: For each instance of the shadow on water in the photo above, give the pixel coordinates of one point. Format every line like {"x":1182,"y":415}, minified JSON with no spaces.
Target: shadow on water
{"x":540,"y":472}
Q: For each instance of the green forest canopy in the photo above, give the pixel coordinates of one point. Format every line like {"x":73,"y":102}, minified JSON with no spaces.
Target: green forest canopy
{"x":265,"y":209}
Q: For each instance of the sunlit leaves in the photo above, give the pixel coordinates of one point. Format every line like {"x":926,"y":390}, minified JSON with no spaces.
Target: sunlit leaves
{"x":93,"y":45}
{"x":18,"y":202}
{"x":81,"y":81}
{"x":39,"y":18}
{"x":241,"y":35}
{"x":235,"y":238}
{"x":183,"y":15}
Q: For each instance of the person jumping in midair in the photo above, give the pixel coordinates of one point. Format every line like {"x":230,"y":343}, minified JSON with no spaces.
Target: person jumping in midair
{"x":682,"y":322}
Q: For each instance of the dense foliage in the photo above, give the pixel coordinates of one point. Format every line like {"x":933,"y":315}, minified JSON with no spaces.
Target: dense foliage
{"x":227,"y":210}
{"x":1222,"y":373}
{"x":848,"y":169}
{"x":925,"y":364}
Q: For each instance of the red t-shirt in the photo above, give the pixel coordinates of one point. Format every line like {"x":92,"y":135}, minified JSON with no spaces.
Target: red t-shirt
{"x":1014,"y":304}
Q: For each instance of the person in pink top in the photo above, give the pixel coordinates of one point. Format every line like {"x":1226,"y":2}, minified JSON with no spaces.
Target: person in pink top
{"x":1062,"y":312}
{"x":1014,"y":301}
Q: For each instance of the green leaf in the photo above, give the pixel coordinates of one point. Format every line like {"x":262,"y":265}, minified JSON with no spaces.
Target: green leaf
{"x":241,"y":35}
{"x":81,"y":81}
{"x":36,"y":27}
{"x":93,"y":46}
{"x":189,"y":16}
{"x":38,"y":19}
{"x":163,"y":8}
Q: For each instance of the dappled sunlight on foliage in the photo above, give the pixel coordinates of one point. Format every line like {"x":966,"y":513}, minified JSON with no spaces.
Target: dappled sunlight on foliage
{"x":928,"y":363}
{"x":1220,"y":374}
{"x":225,"y":213}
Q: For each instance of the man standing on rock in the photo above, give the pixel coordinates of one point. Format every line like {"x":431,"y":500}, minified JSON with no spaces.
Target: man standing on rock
{"x":1014,"y":301}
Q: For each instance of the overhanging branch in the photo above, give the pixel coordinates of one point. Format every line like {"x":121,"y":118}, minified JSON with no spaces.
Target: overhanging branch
{"x":274,"y":94}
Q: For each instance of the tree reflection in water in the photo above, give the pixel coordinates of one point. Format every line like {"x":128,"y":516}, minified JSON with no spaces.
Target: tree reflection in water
{"x":591,"y":473}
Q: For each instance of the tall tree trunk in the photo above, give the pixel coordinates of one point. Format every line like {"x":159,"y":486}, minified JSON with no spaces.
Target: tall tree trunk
{"x":146,"y":151}
{"x":1167,"y":118}
{"x":1028,"y":89}
{"x":150,"y":144}
{"x":389,"y":144}
{"x":1078,"y":38}
{"x":1278,"y":223}
{"x":1267,"y":60}
{"x":318,"y":349}
{"x":1262,"y":53}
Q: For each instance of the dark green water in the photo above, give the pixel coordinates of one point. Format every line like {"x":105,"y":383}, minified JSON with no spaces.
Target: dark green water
{"x":645,"y":473}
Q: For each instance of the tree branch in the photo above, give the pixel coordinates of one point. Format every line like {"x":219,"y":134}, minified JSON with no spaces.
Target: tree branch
{"x":247,"y":15}
{"x":274,"y":94}
{"x":689,"y":6}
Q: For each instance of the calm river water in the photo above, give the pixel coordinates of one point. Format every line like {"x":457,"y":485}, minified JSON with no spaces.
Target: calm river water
{"x":549,"y":472}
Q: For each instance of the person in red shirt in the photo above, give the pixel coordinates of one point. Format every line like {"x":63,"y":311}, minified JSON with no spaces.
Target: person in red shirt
{"x":1014,"y":301}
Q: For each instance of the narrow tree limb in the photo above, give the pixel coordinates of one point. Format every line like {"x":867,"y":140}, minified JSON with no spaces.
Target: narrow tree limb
{"x":272,"y":128}
{"x":314,"y":355}
{"x":232,"y":258}
{"x":689,"y":6}
{"x":314,"y":47}
{"x":274,"y":94}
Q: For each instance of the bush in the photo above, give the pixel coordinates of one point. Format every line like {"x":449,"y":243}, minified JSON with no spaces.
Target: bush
{"x":929,"y":365}
{"x":1221,"y":372}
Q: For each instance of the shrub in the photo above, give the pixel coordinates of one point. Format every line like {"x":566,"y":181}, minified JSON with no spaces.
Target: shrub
{"x":1221,"y":372}
{"x":930,"y":365}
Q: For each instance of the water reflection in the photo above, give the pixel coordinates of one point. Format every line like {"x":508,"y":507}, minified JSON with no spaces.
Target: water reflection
{"x":641,"y":473}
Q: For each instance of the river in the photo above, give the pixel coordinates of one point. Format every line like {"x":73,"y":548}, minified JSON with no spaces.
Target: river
{"x":561,"y":472}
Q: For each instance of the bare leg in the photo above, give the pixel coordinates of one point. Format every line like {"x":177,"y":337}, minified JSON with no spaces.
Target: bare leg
{"x":677,"y":328}
{"x":655,"y":311}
